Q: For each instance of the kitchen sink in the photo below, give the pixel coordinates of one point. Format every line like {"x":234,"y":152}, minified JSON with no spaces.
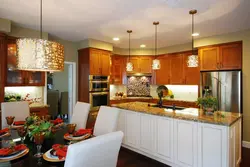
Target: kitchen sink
{"x":168,"y":107}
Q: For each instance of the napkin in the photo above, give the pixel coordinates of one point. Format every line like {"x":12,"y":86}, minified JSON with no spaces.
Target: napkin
{"x":20,"y":147}
{"x":57,"y":121}
{"x":19,"y":123}
{"x":81,"y":132}
{"x":4,"y":131}
{"x":61,"y":150}
{"x":5,"y":151}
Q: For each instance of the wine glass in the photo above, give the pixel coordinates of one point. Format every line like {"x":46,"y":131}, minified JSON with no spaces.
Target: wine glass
{"x":71,"y":128}
{"x":10,"y":120}
{"x":22,"y":133}
{"x":39,"y":138}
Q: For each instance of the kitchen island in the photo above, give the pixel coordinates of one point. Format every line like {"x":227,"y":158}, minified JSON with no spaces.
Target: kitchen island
{"x":181,"y":138}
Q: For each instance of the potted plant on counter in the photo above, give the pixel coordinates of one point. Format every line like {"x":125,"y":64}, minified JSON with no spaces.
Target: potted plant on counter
{"x":208,"y":103}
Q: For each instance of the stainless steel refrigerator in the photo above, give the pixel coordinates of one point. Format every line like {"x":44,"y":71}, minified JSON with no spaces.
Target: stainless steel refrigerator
{"x":226,"y":86}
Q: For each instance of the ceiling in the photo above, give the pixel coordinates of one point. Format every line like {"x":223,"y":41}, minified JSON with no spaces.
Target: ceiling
{"x":77,"y":20}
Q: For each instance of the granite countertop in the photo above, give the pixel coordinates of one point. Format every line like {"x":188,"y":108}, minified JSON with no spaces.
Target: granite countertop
{"x":192,"y":114}
{"x":153,"y":98}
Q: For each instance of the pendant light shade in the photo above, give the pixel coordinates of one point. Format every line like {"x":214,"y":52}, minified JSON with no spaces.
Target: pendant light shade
{"x":193,"y":60}
{"x":39,"y":54}
{"x":156,"y":63}
{"x":129,"y":65}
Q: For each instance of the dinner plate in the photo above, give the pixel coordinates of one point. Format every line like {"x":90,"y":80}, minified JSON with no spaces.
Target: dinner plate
{"x":70,"y":137}
{"x":13,"y":153}
{"x":51,"y":158}
{"x":15,"y":156}
{"x":5,"y":134}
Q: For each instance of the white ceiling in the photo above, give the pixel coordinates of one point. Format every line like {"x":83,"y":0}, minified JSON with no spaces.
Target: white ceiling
{"x":77,"y":20}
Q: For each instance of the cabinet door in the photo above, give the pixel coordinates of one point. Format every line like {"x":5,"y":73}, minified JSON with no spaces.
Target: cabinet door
{"x":192,"y":74}
{"x":176,"y":69}
{"x":209,"y":58}
{"x":163,"y":74}
{"x":164,"y":138}
{"x":231,"y":56}
{"x":147,"y":136}
{"x":132,"y":129}
{"x":117,"y":70}
{"x":2,"y":59}
{"x":185,"y":143}
{"x":145,"y":65}
{"x":35,"y":78}
{"x":135,"y":62}
{"x":105,"y":63}
{"x":212,"y":145}
{"x":121,"y":123}
{"x":94,"y":60}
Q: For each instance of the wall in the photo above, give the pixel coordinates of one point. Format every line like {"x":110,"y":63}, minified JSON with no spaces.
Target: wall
{"x":92,"y":43}
{"x":5,"y":25}
{"x":60,"y":80}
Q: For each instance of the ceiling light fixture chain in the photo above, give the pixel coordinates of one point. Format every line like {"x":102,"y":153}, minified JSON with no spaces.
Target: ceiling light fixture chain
{"x":193,"y":59}
{"x":41,"y":19}
{"x":156,"y":62}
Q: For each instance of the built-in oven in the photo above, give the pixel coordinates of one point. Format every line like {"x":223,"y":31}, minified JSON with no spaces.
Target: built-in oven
{"x":98,"y":83}
{"x":98,"y":99}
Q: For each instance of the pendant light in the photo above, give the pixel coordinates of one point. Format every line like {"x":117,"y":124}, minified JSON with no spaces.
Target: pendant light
{"x":156,"y":63}
{"x":193,"y":60}
{"x":39,"y":54}
{"x":129,"y":66}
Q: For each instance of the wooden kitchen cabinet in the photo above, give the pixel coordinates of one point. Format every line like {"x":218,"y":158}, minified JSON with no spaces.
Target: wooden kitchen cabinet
{"x":39,"y":111}
{"x":142,"y":64}
{"x":191,"y":74}
{"x":118,"y":69}
{"x":163,"y":74}
{"x":176,"y":69}
{"x":2,"y":65}
{"x":221,"y":57}
{"x":99,"y":61}
{"x":18,"y":77}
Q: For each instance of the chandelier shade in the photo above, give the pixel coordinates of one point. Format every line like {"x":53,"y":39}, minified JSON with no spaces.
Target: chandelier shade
{"x":129,"y":67}
{"x":156,"y":64}
{"x":39,"y":55}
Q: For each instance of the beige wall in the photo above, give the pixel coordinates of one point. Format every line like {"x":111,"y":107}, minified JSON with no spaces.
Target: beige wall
{"x":60,"y":80}
{"x":5,"y":25}
{"x":95,"y":44}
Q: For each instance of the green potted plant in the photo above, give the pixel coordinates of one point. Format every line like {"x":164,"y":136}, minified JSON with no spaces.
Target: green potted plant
{"x":208,"y":104}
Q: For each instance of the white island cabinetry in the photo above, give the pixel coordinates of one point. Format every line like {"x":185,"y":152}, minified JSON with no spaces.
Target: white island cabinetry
{"x":181,"y":143}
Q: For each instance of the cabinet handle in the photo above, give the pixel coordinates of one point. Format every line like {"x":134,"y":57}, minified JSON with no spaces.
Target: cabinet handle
{"x":218,"y":65}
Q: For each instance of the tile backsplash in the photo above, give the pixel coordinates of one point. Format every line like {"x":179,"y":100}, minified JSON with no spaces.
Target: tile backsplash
{"x":139,"y":86}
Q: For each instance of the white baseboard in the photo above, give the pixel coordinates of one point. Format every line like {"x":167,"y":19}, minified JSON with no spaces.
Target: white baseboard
{"x":246,"y":144}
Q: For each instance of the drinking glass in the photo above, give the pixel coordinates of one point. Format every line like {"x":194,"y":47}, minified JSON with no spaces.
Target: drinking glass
{"x":39,"y":138}
{"x":10,"y":120}
{"x":22,"y":133}
{"x":71,"y":128}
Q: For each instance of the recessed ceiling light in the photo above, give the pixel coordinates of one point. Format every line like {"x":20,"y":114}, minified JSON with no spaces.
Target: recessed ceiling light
{"x":116,"y":39}
{"x":143,"y":46}
{"x":195,"y":34}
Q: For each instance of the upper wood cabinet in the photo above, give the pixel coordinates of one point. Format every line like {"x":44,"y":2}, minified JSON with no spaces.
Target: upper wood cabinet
{"x":176,"y":69}
{"x":118,"y":69}
{"x":221,"y":57}
{"x":99,"y":61}
{"x":18,"y":77}
{"x":191,"y":74}
{"x":141,"y":64}
{"x":163,"y":74}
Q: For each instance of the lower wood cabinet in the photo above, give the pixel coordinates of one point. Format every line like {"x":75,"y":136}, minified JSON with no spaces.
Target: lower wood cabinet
{"x":181,"y":143}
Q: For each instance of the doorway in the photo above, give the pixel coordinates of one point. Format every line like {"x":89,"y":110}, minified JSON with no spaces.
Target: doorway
{"x":61,"y":94}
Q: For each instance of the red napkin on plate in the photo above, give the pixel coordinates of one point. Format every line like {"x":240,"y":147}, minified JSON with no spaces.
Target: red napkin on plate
{"x":81,"y":132}
{"x":4,"y":130}
{"x":5,"y":151}
{"x":57,"y":121}
{"x":61,"y":150}
{"x":19,"y":123}
{"x":20,"y":147}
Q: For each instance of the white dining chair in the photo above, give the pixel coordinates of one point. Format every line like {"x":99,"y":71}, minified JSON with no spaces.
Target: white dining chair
{"x":20,"y":110}
{"x":106,"y":120}
{"x":100,"y":151}
{"x":80,"y":115}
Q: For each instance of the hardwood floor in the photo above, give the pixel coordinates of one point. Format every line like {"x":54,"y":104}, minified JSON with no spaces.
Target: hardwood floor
{"x":129,"y":158}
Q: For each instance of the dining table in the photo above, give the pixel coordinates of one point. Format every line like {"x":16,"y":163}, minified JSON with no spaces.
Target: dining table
{"x":29,"y":160}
